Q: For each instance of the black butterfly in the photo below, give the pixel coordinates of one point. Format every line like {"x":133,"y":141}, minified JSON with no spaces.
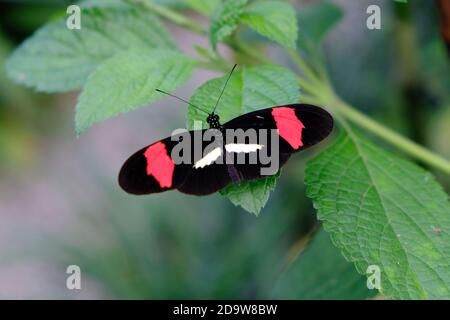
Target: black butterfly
{"x":153,"y":169}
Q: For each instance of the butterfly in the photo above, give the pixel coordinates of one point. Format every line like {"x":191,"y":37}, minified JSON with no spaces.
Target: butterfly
{"x":209,"y":164}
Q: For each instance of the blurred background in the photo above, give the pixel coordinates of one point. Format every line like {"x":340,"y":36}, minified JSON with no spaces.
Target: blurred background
{"x":60,"y":203}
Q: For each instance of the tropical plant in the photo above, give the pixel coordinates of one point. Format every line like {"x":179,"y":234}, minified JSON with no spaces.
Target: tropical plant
{"x":379,"y":206}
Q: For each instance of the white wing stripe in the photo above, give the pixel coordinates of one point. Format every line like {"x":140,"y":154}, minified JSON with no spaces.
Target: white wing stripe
{"x":242,"y":147}
{"x":209,"y":158}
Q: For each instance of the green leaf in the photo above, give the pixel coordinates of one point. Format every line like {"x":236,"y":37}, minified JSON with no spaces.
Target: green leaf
{"x":56,"y":59}
{"x":202,"y":51}
{"x":128,"y":81}
{"x":102,"y":3}
{"x":253,"y":88}
{"x":273,"y":19}
{"x":315,"y":21}
{"x":205,"y":7}
{"x":225,"y":19}
{"x":321,"y":272}
{"x":252,"y":195}
{"x":384,"y":211}
{"x":249,"y":89}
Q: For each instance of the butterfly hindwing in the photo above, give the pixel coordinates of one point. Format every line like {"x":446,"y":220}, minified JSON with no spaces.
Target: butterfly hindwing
{"x":206,"y":180}
{"x":151,"y":170}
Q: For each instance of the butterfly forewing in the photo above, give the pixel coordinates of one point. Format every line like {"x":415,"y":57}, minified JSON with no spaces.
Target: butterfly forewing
{"x":314,"y":125}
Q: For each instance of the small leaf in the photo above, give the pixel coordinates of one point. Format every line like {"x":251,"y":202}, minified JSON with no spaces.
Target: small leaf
{"x":128,"y":81}
{"x":315,"y":21}
{"x":253,"y":88}
{"x":202,"y":51}
{"x":273,"y":19}
{"x":321,"y":272}
{"x":56,"y":59}
{"x":384,"y":211}
{"x":224,"y":20}
{"x":252,"y":195}
{"x":205,"y":7}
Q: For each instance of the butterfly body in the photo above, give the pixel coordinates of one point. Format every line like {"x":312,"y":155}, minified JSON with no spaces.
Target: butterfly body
{"x":213,"y":121}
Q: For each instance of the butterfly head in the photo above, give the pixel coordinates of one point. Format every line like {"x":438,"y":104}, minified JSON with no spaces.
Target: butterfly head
{"x":213,"y":121}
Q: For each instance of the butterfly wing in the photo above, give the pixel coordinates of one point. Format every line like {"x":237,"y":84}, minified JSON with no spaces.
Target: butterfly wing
{"x":155,"y":168}
{"x":206,"y":180}
{"x":152,"y":170}
{"x":298,"y":126}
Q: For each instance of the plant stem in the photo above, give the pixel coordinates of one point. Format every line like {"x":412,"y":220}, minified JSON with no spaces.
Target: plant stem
{"x":409,"y":147}
{"x":306,"y":86}
{"x":215,"y":65}
{"x":323,"y":93}
{"x":303,"y":67}
{"x":296,"y":250}
{"x":171,"y":15}
{"x":248,"y":51}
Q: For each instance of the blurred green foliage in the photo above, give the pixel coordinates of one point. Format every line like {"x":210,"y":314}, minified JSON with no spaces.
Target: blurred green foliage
{"x":176,"y":246}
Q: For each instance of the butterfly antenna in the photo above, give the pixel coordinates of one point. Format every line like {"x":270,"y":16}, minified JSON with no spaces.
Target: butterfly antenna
{"x":181,"y":99}
{"x":223,"y":89}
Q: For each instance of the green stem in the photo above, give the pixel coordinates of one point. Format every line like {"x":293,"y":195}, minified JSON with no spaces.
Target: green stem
{"x":409,"y":147}
{"x":311,"y":100}
{"x":306,"y":86}
{"x":303,"y":67}
{"x":322,"y":93}
{"x":248,"y":51}
{"x":214,"y":65}
{"x":171,"y":15}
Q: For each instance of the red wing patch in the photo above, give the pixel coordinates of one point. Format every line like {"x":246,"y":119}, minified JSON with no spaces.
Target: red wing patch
{"x":289,"y":127}
{"x":159,"y":164}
